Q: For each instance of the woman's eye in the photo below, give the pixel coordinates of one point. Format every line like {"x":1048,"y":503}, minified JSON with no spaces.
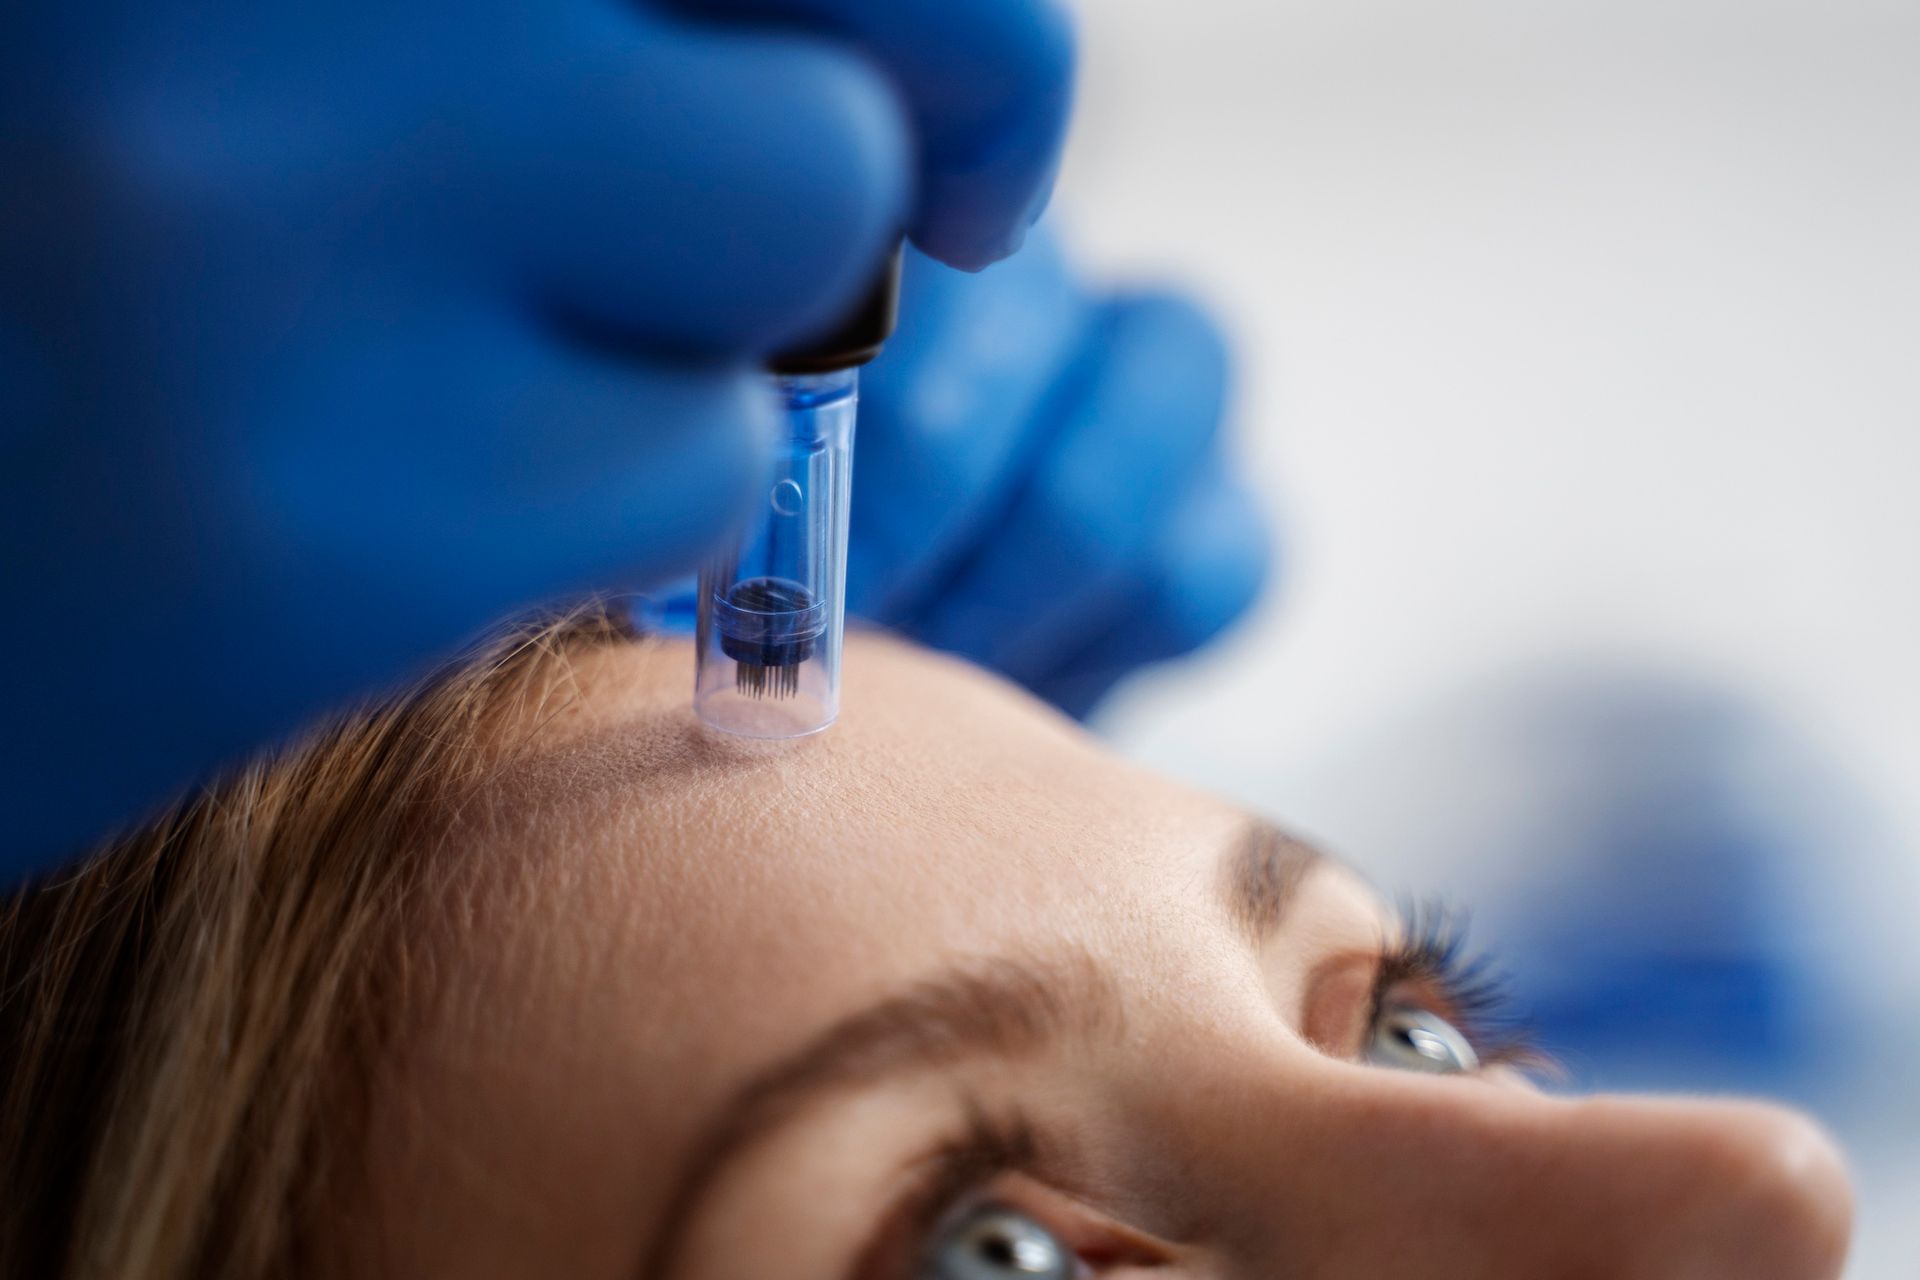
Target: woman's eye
{"x":997,"y":1243}
{"x":1415,"y":1039}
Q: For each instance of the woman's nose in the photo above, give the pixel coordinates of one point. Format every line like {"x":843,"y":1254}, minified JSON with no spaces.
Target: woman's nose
{"x":1469,"y":1178}
{"x":1747,"y":1189}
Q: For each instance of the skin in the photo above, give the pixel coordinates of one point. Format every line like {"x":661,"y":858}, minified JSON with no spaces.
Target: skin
{"x":661,"y":916}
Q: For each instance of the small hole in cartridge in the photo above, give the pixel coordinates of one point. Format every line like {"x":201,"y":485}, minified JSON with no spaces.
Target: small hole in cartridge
{"x":787,"y":498}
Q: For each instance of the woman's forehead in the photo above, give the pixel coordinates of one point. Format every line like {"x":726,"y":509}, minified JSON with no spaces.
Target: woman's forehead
{"x":925,"y":745}
{"x":946,"y":813}
{"x":946,"y":810}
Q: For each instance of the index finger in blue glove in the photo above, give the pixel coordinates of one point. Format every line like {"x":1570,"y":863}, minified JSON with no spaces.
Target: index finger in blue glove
{"x":989,"y":85}
{"x":1205,"y":570}
{"x":948,"y":417}
{"x":1098,"y":495}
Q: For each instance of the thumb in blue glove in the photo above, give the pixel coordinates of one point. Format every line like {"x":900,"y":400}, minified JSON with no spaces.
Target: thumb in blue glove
{"x":1042,"y":483}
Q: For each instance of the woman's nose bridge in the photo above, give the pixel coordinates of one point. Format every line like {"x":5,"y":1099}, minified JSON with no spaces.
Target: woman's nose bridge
{"x":1479,"y":1179}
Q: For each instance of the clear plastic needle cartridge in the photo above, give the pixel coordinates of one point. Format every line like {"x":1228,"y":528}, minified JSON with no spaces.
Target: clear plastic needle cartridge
{"x":772,"y":604}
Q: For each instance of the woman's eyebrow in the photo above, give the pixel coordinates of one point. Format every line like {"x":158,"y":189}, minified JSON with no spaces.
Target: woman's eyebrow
{"x":1003,"y":1008}
{"x":1261,"y":876}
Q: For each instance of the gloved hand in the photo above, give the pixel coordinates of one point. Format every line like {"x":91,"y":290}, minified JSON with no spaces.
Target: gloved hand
{"x":1039,"y":480}
{"x":330,"y":333}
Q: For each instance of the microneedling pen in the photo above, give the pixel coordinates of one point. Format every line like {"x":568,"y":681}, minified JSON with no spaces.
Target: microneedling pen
{"x":772,"y":603}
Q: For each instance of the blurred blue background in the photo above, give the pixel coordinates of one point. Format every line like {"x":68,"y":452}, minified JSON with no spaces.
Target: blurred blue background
{"x":1577,"y":344}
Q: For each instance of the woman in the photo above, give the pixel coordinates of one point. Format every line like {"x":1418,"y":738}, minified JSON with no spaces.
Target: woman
{"x":524,"y":974}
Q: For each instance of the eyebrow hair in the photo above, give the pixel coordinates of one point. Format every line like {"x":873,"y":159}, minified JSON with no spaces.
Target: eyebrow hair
{"x":997,"y":1008}
{"x":1262,"y":877}
{"x":1003,"y":1007}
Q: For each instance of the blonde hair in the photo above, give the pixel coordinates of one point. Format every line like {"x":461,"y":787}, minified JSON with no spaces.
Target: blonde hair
{"x":191,"y":1017}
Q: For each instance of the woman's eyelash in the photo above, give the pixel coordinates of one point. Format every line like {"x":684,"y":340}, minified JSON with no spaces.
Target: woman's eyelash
{"x":1432,"y":955}
{"x":987,"y":1147}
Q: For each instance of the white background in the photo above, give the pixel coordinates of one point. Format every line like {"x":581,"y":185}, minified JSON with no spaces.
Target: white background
{"x":1564,"y":326}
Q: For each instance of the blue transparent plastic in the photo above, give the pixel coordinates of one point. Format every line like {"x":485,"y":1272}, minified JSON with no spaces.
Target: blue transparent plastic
{"x":771,"y":606}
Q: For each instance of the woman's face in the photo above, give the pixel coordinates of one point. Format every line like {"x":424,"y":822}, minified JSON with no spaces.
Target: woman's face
{"x":948,"y":992}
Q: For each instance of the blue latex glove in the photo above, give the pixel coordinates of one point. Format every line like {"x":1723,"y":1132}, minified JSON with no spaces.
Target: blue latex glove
{"x":330,"y":333}
{"x":1040,"y":484}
